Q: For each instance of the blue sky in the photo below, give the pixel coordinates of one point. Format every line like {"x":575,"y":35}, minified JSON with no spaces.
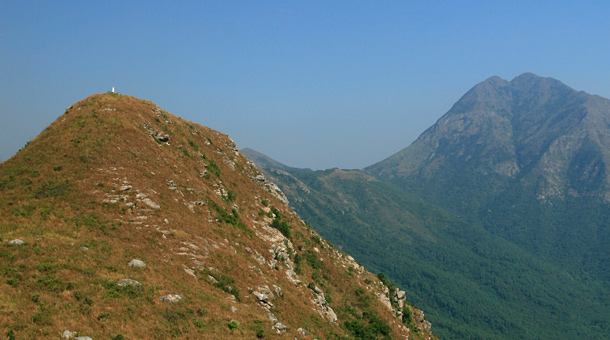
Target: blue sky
{"x":315,"y":84}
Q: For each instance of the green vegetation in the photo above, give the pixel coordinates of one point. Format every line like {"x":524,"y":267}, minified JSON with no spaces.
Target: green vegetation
{"x":223,"y":282}
{"x":214,"y":169}
{"x":233,"y":324}
{"x":52,"y":189}
{"x":114,"y":291}
{"x":458,"y":271}
{"x":231,"y":219}
{"x":279,"y":224}
{"x":365,"y":325}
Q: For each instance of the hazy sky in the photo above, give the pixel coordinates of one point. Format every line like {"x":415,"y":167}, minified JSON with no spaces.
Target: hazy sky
{"x":316,"y":84}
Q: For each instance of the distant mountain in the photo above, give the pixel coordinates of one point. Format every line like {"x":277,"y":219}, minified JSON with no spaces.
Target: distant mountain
{"x":531,"y":131}
{"x":529,"y":159}
{"x":123,"y":221}
{"x":499,"y":211}
{"x":265,"y":161}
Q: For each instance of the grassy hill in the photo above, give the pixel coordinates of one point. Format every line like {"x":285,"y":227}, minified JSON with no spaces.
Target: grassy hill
{"x":117,"y":179}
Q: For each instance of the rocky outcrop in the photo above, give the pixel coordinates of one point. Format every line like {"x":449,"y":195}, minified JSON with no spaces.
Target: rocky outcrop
{"x":171,"y":298}
{"x":271,"y":187}
{"x":324,"y":308}
{"x":129,"y":283}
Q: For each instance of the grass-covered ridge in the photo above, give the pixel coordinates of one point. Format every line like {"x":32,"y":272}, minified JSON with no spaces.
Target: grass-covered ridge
{"x":116,"y":179}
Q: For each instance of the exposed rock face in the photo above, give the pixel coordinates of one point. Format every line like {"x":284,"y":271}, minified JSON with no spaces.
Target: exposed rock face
{"x":263,"y":299}
{"x":161,"y":137}
{"x":323,"y":307}
{"x":269,"y":186}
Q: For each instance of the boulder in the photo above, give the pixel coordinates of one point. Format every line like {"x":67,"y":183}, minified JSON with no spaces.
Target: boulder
{"x":16,"y":242}
{"x":137,"y":264}
{"x":129,"y":282}
{"x":68,"y":335}
{"x":280,"y":327}
{"x":171,"y":298}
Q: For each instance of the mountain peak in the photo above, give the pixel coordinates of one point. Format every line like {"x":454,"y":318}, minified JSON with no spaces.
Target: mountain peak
{"x":544,"y":87}
{"x":218,"y":253}
{"x":494,"y":81}
{"x":531,"y":128}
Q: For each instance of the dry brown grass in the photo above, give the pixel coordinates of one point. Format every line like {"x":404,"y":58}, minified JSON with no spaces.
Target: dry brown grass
{"x":57,"y":195}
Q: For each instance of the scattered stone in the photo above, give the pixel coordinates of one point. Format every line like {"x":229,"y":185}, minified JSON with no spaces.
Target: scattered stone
{"x":272,"y":318}
{"x":190,"y":271}
{"x":233,"y":309}
{"x":162,"y":138}
{"x":171,"y":298}
{"x":280,"y":327}
{"x":129,"y":282}
{"x":125,"y":187}
{"x":16,"y":242}
{"x":278,"y":290}
{"x":302,"y":331}
{"x":69,"y":335}
{"x":263,"y":299}
{"x":137,"y":264}
{"x":293,"y":277}
{"x":151,"y":203}
{"x":83,"y":338}
{"x":84,"y":248}
{"x":212,"y":279}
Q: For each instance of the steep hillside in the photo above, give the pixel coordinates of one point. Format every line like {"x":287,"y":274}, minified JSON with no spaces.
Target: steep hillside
{"x":474,"y":285}
{"x":122,"y":221}
{"x":528,"y":159}
{"x":531,"y":131}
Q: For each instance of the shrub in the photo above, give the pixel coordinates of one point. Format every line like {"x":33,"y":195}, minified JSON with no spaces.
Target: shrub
{"x":233,"y":324}
{"x":213,"y":168}
{"x":193,"y":145}
{"x":52,"y":189}
{"x":372,"y":330}
{"x":50,"y":283}
{"x":260,"y":334}
{"x":112,"y":290}
{"x":103,"y":315}
{"x":224,"y":282}
{"x":281,"y":226}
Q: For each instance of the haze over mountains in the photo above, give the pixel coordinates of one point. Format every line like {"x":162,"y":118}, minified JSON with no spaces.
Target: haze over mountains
{"x":496,"y":218}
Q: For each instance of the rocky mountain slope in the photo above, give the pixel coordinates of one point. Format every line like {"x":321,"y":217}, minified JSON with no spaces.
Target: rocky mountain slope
{"x":531,"y":131}
{"x":502,"y":204}
{"x":122,"y":221}
{"x":459,"y":272}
